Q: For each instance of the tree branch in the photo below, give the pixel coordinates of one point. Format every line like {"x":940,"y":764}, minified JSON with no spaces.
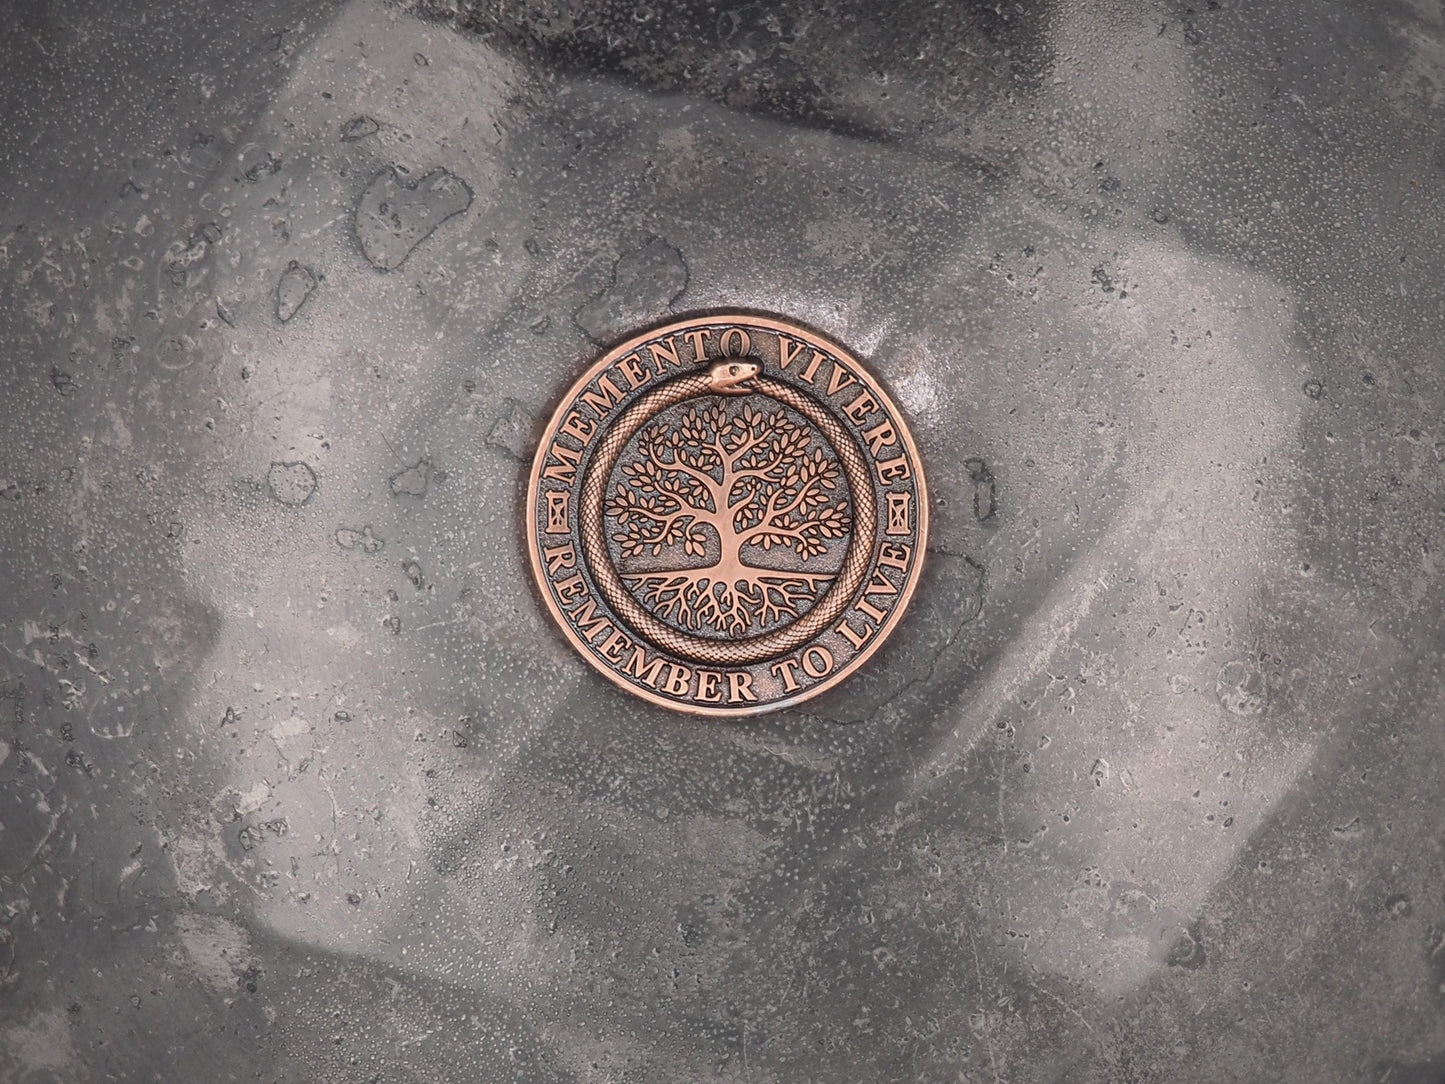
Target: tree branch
{"x":731,"y":458}
{"x":707,"y":480}
{"x":799,"y":498}
{"x":799,"y":532}
{"x":664,"y":521}
{"x":755,"y":472}
{"x":769,"y":525}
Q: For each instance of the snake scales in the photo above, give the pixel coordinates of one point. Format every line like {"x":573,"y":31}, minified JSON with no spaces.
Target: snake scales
{"x":723,"y":379}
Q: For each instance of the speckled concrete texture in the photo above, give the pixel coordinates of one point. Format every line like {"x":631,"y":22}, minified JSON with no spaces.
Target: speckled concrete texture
{"x":298,"y":782}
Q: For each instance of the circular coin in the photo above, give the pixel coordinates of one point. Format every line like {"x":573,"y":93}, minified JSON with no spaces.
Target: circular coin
{"x":727,"y":515}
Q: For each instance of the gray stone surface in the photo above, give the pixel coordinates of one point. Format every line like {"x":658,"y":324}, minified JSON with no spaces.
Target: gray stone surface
{"x":1146,"y":788}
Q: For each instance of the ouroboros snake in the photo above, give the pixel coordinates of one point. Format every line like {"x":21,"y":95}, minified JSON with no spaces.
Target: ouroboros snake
{"x":722,"y":379}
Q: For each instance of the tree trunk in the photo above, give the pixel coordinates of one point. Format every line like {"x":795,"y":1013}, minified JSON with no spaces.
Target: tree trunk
{"x":730,"y":562}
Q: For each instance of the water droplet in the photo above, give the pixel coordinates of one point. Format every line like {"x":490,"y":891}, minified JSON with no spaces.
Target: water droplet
{"x":291,"y":483}
{"x":412,"y":482}
{"x":296,"y":284}
{"x":512,"y":432}
{"x":1187,"y":949}
{"x":347,"y":539}
{"x":645,"y":283}
{"x":984,"y":488}
{"x":358,"y":127}
{"x":393,"y":217}
{"x":1241,"y":688}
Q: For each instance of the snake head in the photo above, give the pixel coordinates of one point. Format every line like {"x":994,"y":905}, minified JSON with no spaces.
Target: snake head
{"x":731,"y":377}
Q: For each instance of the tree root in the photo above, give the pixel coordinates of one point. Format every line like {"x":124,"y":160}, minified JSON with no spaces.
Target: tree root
{"x":698,"y":597}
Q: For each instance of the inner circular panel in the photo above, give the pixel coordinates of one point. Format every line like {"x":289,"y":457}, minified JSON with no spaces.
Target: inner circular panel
{"x":728,"y":516}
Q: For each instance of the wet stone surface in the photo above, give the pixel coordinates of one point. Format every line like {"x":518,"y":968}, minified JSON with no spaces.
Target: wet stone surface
{"x":298,"y":782}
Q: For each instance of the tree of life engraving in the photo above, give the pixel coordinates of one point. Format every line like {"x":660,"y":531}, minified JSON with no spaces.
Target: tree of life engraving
{"x":756,"y":481}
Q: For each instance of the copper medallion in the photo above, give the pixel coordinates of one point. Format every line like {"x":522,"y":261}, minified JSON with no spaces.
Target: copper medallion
{"x":727,"y":515}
